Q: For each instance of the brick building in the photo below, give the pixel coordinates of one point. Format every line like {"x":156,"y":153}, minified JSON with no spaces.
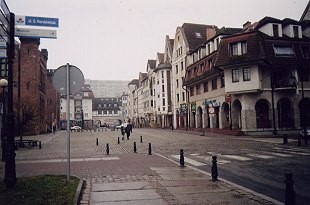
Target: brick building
{"x":30,"y":86}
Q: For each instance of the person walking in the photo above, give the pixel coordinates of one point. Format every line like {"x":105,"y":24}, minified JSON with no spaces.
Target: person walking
{"x":122,"y":132}
{"x":128,"y":130}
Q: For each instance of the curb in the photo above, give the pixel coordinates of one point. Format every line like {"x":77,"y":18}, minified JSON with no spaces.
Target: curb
{"x":78,"y":191}
{"x":267,"y":198}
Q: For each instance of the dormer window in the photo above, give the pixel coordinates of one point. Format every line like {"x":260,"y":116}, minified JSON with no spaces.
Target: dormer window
{"x":238,"y":49}
{"x":283,"y":51}
{"x":275,"y":29}
{"x":295,"y":31}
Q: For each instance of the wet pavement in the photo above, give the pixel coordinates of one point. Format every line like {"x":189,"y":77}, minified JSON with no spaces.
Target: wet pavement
{"x":124,"y":177}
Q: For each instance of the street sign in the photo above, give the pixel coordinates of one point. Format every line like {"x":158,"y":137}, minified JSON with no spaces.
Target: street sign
{"x":211,"y":110}
{"x":36,"y":21}
{"x":35,"y":33}
{"x":60,"y":79}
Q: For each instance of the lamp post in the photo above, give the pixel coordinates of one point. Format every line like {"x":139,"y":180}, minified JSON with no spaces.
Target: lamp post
{"x":3,"y":85}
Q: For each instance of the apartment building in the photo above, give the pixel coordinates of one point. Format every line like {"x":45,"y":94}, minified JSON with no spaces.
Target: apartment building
{"x":266,"y":69}
{"x":81,"y":109}
{"x":187,"y":38}
{"x":206,"y":83}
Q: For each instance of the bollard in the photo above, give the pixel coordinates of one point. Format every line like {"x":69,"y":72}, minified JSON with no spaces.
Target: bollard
{"x":289,"y":190}
{"x":118,"y":140}
{"x":134,"y":147}
{"x":181,"y":158}
{"x":299,"y":141}
{"x":214,"y":169}
{"x":40,"y":146}
{"x":285,"y":139}
{"x":202,"y":133}
{"x":141,"y":139}
{"x":150,"y":149}
{"x":97,"y":141}
{"x":306,"y":139}
{"x":108,"y":149}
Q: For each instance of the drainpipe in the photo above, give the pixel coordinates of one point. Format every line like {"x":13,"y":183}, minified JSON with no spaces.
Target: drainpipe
{"x":188,"y":107}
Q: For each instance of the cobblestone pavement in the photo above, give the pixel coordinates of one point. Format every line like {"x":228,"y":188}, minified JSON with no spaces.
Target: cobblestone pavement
{"x":92,"y":163}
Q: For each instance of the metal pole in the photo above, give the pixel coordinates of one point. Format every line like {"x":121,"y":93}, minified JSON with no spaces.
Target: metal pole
{"x":10,"y":166}
{"x":68,"y":121}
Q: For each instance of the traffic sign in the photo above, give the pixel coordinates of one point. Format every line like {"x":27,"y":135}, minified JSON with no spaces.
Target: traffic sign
{"x":35,"y":33}
{"x":2,"y":43}
{"x":76,"y":79}
{"x":36,"y":21}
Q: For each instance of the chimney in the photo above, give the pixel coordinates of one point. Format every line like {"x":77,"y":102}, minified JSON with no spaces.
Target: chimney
{"x":246,"y":25}
{"x":211,"y":31}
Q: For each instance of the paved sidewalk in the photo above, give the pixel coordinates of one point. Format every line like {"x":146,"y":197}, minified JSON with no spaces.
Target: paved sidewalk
{"x":124,"y":177}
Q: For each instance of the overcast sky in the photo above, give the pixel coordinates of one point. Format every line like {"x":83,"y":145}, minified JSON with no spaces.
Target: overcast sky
{"x":113,"y":39}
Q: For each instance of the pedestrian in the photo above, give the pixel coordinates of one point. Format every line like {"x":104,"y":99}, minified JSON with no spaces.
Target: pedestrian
{"x":128,"y":130}
{"x":122,"y":132}
{"x":171,"y":126}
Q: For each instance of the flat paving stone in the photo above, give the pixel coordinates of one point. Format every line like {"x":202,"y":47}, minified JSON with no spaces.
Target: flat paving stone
{"x":127,"y":195}
{"x":178,"y":173}
{"x":196,"y":189}
{"x":136,"y":202}
{"x":97,"y":187}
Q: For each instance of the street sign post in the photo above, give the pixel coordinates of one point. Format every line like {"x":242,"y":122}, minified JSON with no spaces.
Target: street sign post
{"x":68,"y":79}
{"x":35,"y":33}
{"x":36,"y":21}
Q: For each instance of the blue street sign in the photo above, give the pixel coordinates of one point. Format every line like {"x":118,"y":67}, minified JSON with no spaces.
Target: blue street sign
{"x":36,"y":21}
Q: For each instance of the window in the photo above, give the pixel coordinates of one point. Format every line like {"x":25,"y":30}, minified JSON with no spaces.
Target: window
{"x":275,"y":29}
{"x":176,"y":69}
{"x":164,"y":102}
{"x":163,"y":88}
{"x":235,"y":75}
{"x":234,"y":49}
{"x":246,"y":74}
{"x":210,"y":63}
{"x":197,"y":89}
{"x":183,"y":96}
{"x":222,"y":81}
{"x":295,"y":31}
{"x":178,"y":98}
{"x":243,"y":47}
{"x":191,"y":91}
{"x":177,"y":83}
{"x":214,"y":84}
{"x":162,"y":74}
{"x":182,"y":66}
{"x":209,"y":49}
{"x":205,"y":87}
{"x":283,"y":51}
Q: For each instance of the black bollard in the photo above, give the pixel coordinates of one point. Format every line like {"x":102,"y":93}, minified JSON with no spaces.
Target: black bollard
{"x":134,"y":147}
{"x":108,"y":149}
{"x":214,"y":169}
{"x":141,"y":139}
{"x":150,"y":149}
{"x":40,"y":146}
{"x":285,"y":139}
{"x":289,"y":190}
{"x":299,"y":141}
{"x":306,"y":139}
{"x":118,"y":140}
{"x":181,"y":158}
{"x":97,"y":141}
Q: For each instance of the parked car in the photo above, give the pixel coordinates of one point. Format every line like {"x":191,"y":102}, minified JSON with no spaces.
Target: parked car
{"x":76,"y":128}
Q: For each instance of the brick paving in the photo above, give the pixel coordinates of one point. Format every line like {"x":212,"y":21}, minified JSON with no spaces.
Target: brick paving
{"x":120,"y":166}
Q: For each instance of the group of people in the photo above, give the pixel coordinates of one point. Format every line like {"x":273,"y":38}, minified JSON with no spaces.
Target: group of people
{"x":127,"y":130}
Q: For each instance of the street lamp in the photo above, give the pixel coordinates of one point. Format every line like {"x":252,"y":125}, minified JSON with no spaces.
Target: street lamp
{"x":3,"y":85}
